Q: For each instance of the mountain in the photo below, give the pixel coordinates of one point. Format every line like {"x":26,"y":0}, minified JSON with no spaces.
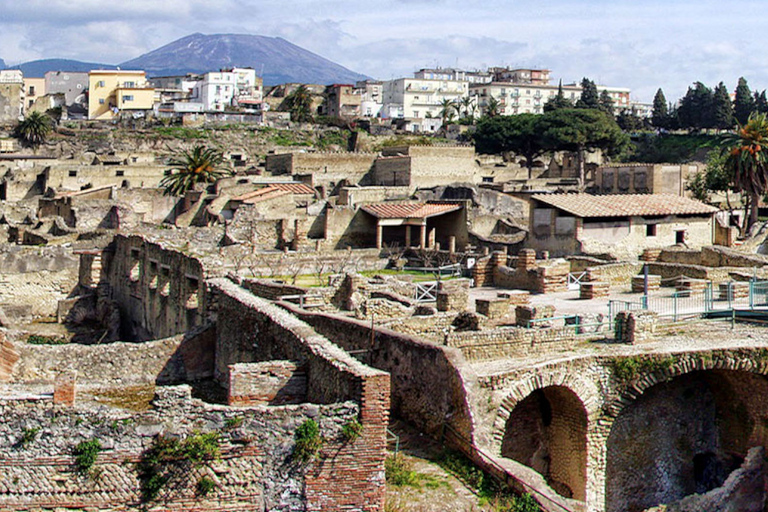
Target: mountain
{"x":38,"y":68}
{"x":2,"y":64}
{"x":274,"y":58}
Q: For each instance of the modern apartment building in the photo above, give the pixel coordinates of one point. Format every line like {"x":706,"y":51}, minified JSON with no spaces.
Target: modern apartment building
{"x":420,"y":98}
{"x":112,"y":92}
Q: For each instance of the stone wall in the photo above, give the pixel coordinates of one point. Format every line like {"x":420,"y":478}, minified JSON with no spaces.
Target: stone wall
{"x":327,"y":169}
{"x":429,"y":383}
{"x":256,"y":471}
{"x":34,"y":279}
{"x":616,"y":274}
{"x":160,"y":291}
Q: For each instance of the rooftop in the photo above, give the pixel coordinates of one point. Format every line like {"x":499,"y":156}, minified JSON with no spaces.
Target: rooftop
{"x":625,"y":205}
{"x":409,"y":210}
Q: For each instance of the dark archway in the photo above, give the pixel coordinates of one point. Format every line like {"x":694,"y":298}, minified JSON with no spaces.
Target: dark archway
{"x":684,"y":436}
{"x":547,"y":431}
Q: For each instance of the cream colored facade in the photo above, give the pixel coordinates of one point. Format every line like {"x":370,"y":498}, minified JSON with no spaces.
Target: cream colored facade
{"x":420,"y":98}
{"x":111,"y":92}
{"x":34,"y":88}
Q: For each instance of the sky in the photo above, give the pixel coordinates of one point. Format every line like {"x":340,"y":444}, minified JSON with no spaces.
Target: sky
{"x":640,"y":44}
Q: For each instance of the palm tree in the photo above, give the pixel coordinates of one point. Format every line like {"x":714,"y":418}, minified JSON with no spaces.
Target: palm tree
{"x":299,"y":104}
{"x":493,"y":107}
{"x":446,"y":110}
{"x":201,"y":165}
{"x":466,"y":104}
{"x":34,"y":129}
{"x":747,"y":160}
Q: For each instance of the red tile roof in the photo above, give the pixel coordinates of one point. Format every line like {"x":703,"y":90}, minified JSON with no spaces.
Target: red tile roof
{"x":408,"y":210}
{"x":274,"y":190}
{"x":625,"y":205}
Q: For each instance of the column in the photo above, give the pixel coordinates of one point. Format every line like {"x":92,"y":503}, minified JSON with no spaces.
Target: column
{"x":379,"y":235}
{"x":407,"y":235}
{"x":423,"y":236}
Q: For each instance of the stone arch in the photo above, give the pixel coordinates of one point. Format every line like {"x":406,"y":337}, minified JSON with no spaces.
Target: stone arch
{"x":543,"y":424}
{"x":682,"y":430}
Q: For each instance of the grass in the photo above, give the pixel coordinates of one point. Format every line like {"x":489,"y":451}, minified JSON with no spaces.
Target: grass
{"x":181,"y":132}
{"x":36,"y":339}
{"x":399,"y":473}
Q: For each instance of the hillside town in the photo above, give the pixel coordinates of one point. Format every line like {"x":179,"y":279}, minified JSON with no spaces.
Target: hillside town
{"x":462,"y":290}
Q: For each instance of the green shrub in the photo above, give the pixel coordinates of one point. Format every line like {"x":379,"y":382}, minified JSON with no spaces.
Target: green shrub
{"x":205,"y":486}
{"x":85,"y":455}
{"x":352,"y":430}
{"x":398,"y":472}
{"x":28,"y":436}
{"x":36,"y":339}
{"x":232,"y":423}
{"x":167,"y":457}
{"x":308,"y":441}
{"x":628,"y":368}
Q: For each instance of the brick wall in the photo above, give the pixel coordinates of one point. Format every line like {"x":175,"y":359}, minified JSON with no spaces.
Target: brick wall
{"x":8,"y":358}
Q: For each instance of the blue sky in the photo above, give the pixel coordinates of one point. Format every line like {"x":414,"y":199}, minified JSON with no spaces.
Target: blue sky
{"x":641,"y":44}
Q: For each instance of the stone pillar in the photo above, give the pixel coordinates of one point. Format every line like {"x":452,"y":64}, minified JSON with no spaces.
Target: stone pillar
{"x":379,"y":236}
{"x":430,"y":237}
{"x":526,"y":260}
{"x":407,"y":235}
{"x":423,"y":236}
{"x":452,"y":244}
{"x":64,"y":388}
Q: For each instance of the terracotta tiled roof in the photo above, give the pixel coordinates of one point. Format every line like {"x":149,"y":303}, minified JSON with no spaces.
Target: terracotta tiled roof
{"x":408,"y":210}
{"x":274,"y":190}
{"x":625,"y":205}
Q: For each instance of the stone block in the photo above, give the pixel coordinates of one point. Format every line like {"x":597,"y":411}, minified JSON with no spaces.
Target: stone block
{"x":638,"y":283}
{"x":64,"y":388}
{"x":734,"y":290}
{"x":516,"y":297}
{"x":688,"y":286}
{"x":492,"y":308}
{"x":452,"y":300}
{"x":524,"y":314}
{"x":594,"y":290}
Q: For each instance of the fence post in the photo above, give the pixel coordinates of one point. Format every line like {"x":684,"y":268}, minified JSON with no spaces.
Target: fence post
{"x":751,"y":295}
{"x":674,"y":306}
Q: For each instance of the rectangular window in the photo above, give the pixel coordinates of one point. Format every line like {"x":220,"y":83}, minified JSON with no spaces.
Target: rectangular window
{"x":680,"y":237}
{"x":119,"y":173}
{"x":487,"y":179}
{"x":31,"y":90}
{"x":101,"y":83}
{"x":128,"y":97}
{"x":650,"y":230}
{"x":129,"y":85}
{"x":72,"y":174}
{"x":101,"y":101}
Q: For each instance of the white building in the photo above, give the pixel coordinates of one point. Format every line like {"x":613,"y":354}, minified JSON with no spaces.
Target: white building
{"x":372,"y":97}
{"x":473,"y":77}
{"x":420,"y":98}
{"x":218,"y":90}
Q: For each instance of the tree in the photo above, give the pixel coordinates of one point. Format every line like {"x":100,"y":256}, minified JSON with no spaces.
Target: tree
{"x":606,"y":102}
{"x":761,"y":102}
{"x":299,"y":104}
{"x":520,"y":134}
{"x":558,"y":101}
{"x":629,"y":121}
{"x":492,"y":108}
{"x":743,"y":103}
{"x":582,"y":130}
{"x":33,"y":130}
{"x":722,"y":109}
{"x":695,"y":112}
{"x":201,"y":165}
{"x":660,"y":116}
{"x":447,"y":107}
{"x":747,"y":161}
{"x":589,"y":96}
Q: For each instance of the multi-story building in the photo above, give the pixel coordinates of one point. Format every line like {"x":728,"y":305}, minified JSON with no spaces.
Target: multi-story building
{"x":519,"y":98}
{"x":112,"y":92}
{"x":420,"y":98}
{"x":34,"y":88}
{"x":342,"y":100}
{"x":72,"y":84}
{"x":473,"y":77}
{"x":371,"y":97}
{"x":247,"y":84}
{"x":215,"y":91}
{"x":520,"y":76}
{"x":11,"y":95}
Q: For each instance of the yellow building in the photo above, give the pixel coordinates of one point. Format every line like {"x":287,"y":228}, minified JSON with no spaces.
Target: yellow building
{"x":34,"y":88}
{"x":111,"y":92}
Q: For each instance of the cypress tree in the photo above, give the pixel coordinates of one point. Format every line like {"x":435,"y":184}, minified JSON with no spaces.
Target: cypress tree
{"x":744,"y":104}
{"x":761,"y":102}
{"x":559,"y":101}
{"x":722,"y":109}
{"x":606,"y":102}
{"x":589,"y":96}
{"x":660,"y":116}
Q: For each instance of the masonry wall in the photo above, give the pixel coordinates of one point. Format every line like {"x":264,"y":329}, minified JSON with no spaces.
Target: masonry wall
{"x":256,"y":471}
{"x":328,"y":169}
{"x":428,"y":381}
{"x":160,"y":292}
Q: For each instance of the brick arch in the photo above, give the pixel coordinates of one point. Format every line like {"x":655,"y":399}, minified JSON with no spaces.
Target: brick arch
{"x":685,"y":364}
{"x":585,"y":390}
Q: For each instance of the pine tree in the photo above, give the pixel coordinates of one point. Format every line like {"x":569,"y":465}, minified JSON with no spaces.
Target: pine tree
{"x":722,"y":109}
{"x":589,"y":96}
{"x":761,"y":102}
{"x":744,"y":104}
{"x":695,"y":112}
{"x":606,"y":102}
{"x":660,"y":116}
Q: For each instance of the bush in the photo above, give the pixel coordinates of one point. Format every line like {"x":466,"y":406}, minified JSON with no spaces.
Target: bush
{"x":28,"y":435}
{"x":85,"y":455}
{"x":205,"y":486}
{"x":232,"y":423}
{"x":36,"y":339}
{"x":308,"y":441}
{"x":352,"y":430}
{"x":398,"y":472}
